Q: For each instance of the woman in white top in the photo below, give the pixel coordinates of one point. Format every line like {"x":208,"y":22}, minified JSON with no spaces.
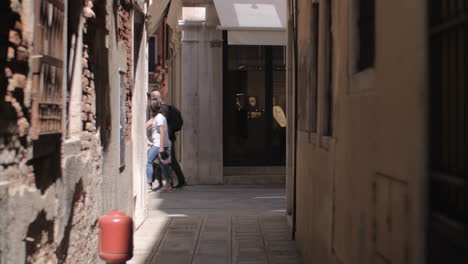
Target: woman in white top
{"x":160,"y":146}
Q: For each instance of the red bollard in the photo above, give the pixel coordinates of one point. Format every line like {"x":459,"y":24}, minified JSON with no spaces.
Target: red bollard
{"x":115,"y":237}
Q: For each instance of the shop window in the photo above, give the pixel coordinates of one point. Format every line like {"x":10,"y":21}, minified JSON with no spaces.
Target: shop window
{"x":366,"y":35}
{"x":254,"y":105}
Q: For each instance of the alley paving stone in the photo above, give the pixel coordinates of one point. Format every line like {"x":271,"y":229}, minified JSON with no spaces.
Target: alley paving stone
{"x":216,"y":225}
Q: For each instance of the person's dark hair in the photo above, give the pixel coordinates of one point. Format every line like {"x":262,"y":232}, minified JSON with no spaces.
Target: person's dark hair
{"x":156,"y":108}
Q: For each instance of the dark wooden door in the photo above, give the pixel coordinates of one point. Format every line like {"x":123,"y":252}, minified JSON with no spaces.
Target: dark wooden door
{"x":448,"y":194}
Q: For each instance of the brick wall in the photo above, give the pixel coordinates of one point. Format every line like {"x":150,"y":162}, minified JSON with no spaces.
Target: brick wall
{"x":88,"y":104}
{"x":56,"y":222}
{"x":81,"y":232}
{"x":125,"y":35}
{"x":15,"y":145}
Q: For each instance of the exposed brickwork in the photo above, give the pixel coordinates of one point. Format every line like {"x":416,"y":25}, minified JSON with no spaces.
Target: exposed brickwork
{"x":15,"y":146}
{"x":88,"y":105}
{"x":125,"y":35}
{"x":16,"y":149}
{"x":81,"y":233}
{"x":57,"y":221}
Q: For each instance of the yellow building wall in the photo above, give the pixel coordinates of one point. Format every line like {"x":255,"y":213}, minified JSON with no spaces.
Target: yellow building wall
{"x":360,"y":195}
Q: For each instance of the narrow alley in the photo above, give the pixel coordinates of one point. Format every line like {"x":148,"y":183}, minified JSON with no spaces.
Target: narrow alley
{"x":216,"y":225}
{"x":234,"y":131}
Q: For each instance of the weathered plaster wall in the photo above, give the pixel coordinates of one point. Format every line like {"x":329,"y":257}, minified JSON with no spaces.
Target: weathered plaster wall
{"x":118,"y":184}
{"x":15,"y":146}
{"x":125,"y":35}
{"x":360,"y":193}
{"x":57,"y":222}
{"x":16,"y":175}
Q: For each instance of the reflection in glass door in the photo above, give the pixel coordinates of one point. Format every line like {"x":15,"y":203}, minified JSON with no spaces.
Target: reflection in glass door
{"x":254,"y":105}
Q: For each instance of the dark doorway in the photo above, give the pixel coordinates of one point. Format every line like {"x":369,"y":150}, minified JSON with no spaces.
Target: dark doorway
{"x":448,"y":193}
{"x":254,"y":105}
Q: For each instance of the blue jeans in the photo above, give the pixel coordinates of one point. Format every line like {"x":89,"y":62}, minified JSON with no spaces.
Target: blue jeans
{"x":153,"y":153}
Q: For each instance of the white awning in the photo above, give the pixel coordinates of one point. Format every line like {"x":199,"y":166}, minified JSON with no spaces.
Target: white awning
{"x":174,"y":13}
{"x":157,"y":11}
{"x":253,"y":22}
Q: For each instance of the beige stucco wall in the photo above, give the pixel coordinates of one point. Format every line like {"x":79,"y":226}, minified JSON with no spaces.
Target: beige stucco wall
{"x":361,"y":200}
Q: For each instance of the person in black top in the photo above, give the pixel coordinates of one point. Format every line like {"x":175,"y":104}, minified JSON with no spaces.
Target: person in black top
{"x":175,"y":122}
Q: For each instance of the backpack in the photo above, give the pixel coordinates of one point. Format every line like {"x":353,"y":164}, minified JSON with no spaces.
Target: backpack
{"x":174,"y":119}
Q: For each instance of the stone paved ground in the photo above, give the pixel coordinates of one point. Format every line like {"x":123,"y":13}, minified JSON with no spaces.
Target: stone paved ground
{"x":216,"y":225}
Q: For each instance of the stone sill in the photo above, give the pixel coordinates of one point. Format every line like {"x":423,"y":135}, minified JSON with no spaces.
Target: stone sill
{"x":71,"y":146}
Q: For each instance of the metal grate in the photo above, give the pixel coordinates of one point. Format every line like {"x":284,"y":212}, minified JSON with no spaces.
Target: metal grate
{"x":279,"y":57}
{"x":47,"y":68}
{"x":253,"y":57}
{"x":449,"y":127}
{"x":247,"y":58}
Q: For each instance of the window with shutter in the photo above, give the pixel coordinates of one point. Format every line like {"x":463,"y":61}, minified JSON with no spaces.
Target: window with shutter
{"x":47,"y":105}
{"x":47,"y":91}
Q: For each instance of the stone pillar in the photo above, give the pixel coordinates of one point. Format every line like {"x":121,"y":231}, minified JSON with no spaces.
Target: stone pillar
{"x":139,"y":140}
{"x":201,"y":103}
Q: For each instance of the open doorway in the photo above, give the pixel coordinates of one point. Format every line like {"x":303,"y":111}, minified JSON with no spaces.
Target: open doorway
{"x":254,"y":105}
